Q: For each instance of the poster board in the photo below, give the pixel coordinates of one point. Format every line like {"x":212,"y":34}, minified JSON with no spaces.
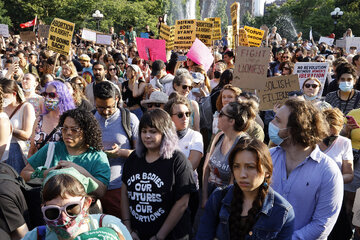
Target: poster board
{"x":88,"y":35}
{"x":28,"y":36}
{"x":216,"y":34}
{"x":341,"y":43}
{"x":185,"y":33}
{"x":328,"y":41}
{"x":170,"y":46}
{"x":4,"y":30}
{"x":251,"y":67}
{"x":103,"y":39}
{"x":235,"y":17}
{"x":243,"y":38}
{"x":305,"y":70}
{"x":352,"y":42}
{"x":60,"y":36}
{"x":276,"y":90}
{"x":255,"y":36}
{"x":201,"y":54}
{"x":165,"y":32}
{"x":43,"y":30}
{"x":151,"y":49}
{"x":230,"y":39}
{"x":204,"y":32}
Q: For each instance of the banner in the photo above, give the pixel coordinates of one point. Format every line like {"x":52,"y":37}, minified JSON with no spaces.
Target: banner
{"x":276,"y":90}
{"x":88,"y":35}
{"x":4,"y":30}
{"x":216,"y":34}
{"x":28,"y":36}
{"x":60,"y":36}
{"x":43,"y":30}
{"x":251,"y":67}
{"x":200,"y":54}
{"x":165,"y":32}
{"x":185,"y":31}
{"x":103,"y":39}
{"x":243,"y":38}
{"x":235,"y":17}
{"x":151,"y":49}
{"x":204,"y":32}
{"x":341,"y":43}
{"x":352,"y":42}
{"x":255,"y":36}
{"x":305,"y":70}
{"x":328,"y":41}
{"x":28,"y":24}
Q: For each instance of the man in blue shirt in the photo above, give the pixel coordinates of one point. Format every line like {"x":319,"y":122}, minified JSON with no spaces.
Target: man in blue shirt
{"x":310,"y":180}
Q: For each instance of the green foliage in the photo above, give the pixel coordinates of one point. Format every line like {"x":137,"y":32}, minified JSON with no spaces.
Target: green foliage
{"x":4,"y":19}
{"x":248,"y":20}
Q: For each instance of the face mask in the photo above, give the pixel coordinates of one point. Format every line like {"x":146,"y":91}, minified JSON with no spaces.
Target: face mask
{"x":29,"y":89}
{"x":310,"y":98}
{"x":51,"y":105}
{"x":67,"y":227}
{"x":195,"y":90}
{"x":217,"y":74}
{"x":6,"y":102}
{"x":274,"y":134}
{"x":346,"y":86}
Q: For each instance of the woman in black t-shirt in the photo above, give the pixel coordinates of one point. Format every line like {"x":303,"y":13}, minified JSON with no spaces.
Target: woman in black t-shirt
{"x":157,"y":181}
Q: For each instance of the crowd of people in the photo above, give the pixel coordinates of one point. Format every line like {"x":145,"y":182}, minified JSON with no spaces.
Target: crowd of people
{"x":133,"y":149}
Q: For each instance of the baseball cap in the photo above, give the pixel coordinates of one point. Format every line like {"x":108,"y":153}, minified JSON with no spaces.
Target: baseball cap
{"x":84,"y":57}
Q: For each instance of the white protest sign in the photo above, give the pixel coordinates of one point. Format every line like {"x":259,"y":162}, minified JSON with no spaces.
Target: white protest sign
{"x":88,"y":35}
{"x":103,"y":39}
{"x":328,"y":41}
{"x":4,"y":30}
{"x":306,"y":70}
{"x":341,"y":43}
{"x":352,"y":42}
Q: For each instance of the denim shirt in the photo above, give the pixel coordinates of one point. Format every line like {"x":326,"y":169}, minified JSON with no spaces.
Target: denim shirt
{"x":275,"y":221}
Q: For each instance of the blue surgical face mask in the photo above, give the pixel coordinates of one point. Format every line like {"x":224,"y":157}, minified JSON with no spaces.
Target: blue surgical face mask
{"x":274,"y":134}
{"x":346,"y":86}
{"x":310,"y":98}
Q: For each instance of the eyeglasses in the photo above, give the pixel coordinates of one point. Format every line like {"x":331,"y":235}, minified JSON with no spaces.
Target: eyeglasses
{"x":73,"y":130}
{"x":181,"y":115}
{"x":50,"y":94}
{"x":222,"y":113}
{"x":150,"y":105}
{"x":112,"y":69}
{"x":101,"y":109}
{"x":187,"y":87}
{"x":71,"y":209}
{"x":308,"y":85}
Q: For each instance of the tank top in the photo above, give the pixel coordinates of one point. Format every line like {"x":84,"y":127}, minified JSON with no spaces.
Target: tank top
{"x":6,"y":152}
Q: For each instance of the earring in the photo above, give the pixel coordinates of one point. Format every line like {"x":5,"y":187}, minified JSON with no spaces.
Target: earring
{"x":265,"y":184}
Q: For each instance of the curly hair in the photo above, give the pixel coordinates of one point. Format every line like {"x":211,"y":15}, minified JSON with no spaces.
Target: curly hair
{"x":263,"y":164}
{"x":236,"y":90}
{"x":307,"y":125}
{"x":176,"y":101}
{"x":243,"y":113}
{"x":290,"y":64}
{"x":88,"y":124}
{"x":66,"y":101}
{"x":345,"y":68}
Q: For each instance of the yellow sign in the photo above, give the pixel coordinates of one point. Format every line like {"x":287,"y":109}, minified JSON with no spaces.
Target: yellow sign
{"x":185,"y":34}
{"x":235,"y":17}
{"x":243,"y":38}
{"x":204,"y":32}
{"x":170,"y":46}
{"x":216,"y":27}
{"x":60,"y":36}
{"x":230,"y":38}
{"x":165,"y":32}
{"x":255,"y":36}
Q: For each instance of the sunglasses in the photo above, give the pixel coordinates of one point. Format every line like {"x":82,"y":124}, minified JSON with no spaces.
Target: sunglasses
{"x":222,"y":113}
{"x":112,"y":69}
{"x":53,"y":212}
{"x":286,"y":57}
{"x":308,"y":85}
{"x":73,"y":130}
{"x":150,"y":105}
{"x":121,"y":63}
{"x":50,"y":94}
{"x":181,"y":115}
{"x":187,"y":87}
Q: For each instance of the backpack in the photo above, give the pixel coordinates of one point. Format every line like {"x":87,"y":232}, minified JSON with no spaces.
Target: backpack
{"x":206,"y":114}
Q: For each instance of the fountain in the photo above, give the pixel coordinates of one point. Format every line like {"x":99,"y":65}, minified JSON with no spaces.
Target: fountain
{"x":285,"y":27}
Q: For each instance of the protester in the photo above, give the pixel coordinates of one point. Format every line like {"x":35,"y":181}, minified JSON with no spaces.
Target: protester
{"x":161,"y":79}
{"x":219,"y":68}
{"x":286,"y":68}
{"x":5,"y":131}
{"x":87,"y":71}
{"x":130,"y":35}
{"x":225,"y":78}
{"x":68,"y":71}
{"x":29,"y":84}
{"x":229,"y":59}
{"x":80,"y":82}
{"x":157,"y":99}
{"x":79,"y":97}
{"x":112,"y":74}
{"x":311,"y":88}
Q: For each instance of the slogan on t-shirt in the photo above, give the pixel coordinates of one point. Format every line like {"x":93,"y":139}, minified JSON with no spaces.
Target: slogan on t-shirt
{"x":204,"y":32}
{"x":216,"y":33}
{"x":255,"y":36}
{"x":60,"y":36}
{"x":306,"y":70}
{"x":185,"y":33}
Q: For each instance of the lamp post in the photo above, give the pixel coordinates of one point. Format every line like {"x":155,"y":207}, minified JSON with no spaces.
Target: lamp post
{"x":98,"y":17}
{"x":336,"y":14}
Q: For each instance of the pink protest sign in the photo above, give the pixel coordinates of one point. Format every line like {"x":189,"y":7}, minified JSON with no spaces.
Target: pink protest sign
{"x":151,"y":49}
{"x":200,"y":54}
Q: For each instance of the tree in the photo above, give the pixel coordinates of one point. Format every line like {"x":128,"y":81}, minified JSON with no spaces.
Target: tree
{"x":4,"y":19}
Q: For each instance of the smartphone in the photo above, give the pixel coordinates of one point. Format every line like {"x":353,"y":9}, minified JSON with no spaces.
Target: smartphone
{"x":182,"y":58}
{"x":15,"y":59}
{"x":352,"y":120}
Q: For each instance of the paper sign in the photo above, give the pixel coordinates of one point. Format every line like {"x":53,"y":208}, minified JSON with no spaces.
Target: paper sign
{"x":43,"y":30}
{"x":4,"y":30}
{"x":255,"y":36}
{"x":151,"y":49}
{"x":28,"y":36}
{"x":216,"y":35}
{"x":243,"y":38}
{"x":103,"y":39}
{"x":305,"y":70}
{"x":165,"y":32}
{"x":60,"y":36}
{"x":352,"y":42}
{"x":328,"y":41}
{"x":200,"y":54}
{"x":341,"y":43}
{"x":185,"y":31}
{"x":251,"y":67}
{"x":144,"y":35}
{"x":230,"y":39}
{"x":235,"y":17}
{"x":204,"y":32}
{"x":170,"y":46}
{"x":88,"y":35}
{"x":276,"y":90}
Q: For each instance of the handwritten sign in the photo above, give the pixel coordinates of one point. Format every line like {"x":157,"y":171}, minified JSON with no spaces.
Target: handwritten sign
{"x":4,"y":30}
{"x":352,"y":42}
{"x":204,"y":32}
{"x":185,"y":33}
{"x":28,"y":36}
{"x":341,"y":43}
{"x":88,"y":35}
{"x":305,"y":70}
{"x":230,"y":37}
{"x":255,"y":36}
{"x":276,"y":90}
{"x":43,"y":30}
{"x":235,"y":17}
{"x":165,"y":32}
{"x":328,"y":41}
{"x":251,"y":67}
{"x":216,"y":34}
{"x":60,"y":36}
{"x":103,"y":39}
{"x":243,"y":38}
{"x":200,"y":54}
{"x":151,"y":49}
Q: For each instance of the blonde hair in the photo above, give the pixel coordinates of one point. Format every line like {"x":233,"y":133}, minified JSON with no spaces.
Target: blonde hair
{"x":335,"y":118}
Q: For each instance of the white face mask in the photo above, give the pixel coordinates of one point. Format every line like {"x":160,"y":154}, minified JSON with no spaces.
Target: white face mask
{"x":7,"y":102}
{"x":29,"y":89}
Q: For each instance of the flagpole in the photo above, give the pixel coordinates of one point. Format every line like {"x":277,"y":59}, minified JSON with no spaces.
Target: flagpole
{"x":35,"y":23}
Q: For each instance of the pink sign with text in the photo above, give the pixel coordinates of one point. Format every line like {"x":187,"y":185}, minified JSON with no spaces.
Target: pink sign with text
{"x":200,"y":54}
{"x":151,"y":49}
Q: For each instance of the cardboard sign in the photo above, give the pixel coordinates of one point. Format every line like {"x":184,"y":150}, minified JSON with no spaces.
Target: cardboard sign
{"x":185,"y":33}
{"x":43,"y":30}
{"x":230,"y":38}
{"x":88,"y":35}
{"x":200,"y":54}
{"x":328,"y":41}
{"x":251,"y":67}
{"x":60,"y":36}
{"x":352,"y":42}
{"x":235,"y":17}
{"x":165,"y":32}
{"x":151,"y":49}
{"x":103,"y":39}
{"x":341,"y":43}
{"x":204,"y":32}
{"x":28,"y":36}
{"x":255,"y":36}
{"x":144,"y":35}
{"x":216,"y":34}
{"x":4,"y":30}
{"x":243,"y":38}
{"x":305,"y":70}
{"x":276,"y":90}
{"x":170,"y":45}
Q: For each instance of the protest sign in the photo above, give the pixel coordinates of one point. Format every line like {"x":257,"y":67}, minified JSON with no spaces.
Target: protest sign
{"x":165,"y":32}
{"x":4,"y":30}
{"x":305,"y":70}
{"x":88,"y":35}
{"x":204,"y":32}
{"x":60,"y":36}
{"x":170,"y":46}
{"x":341,"y":43}
{"x":144,"y":35}
{"x":185,"y":31}
{"x":28,"y":36}
{"x":235,"y":17}
{"x":230,"y":38}
{"x":243,"y":38}
{"x":200,"y":54}
{"x":103,"y":39}
{"x":251,"y":67}
{"x":328,"y":41}
{"x":255,"y":36}
{"x":151,"y":49}
{"x":276,"y":90}
{"x":43,"y":30}
{"x":352,"y":42}
{"x":216,"y":34}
